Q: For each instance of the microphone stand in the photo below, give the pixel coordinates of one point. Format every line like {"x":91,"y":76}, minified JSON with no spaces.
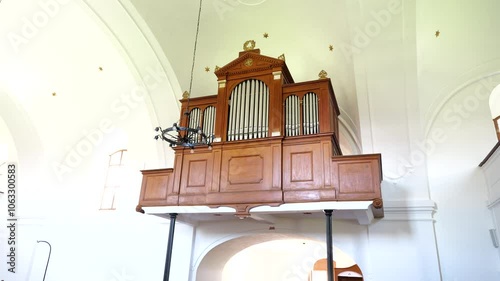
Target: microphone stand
{"x":48,"y":259}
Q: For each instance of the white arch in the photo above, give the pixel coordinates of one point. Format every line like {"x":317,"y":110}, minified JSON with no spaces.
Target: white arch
{"x":28,"y":145}
{"x":481,"y":76}
{"x":143,"y":54}
{"x":211,"y":262}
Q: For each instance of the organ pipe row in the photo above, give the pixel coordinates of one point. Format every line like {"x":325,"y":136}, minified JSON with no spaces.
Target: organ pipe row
{"x":205,"y":121}
{"x":248,"y":111}
{"x":209,"y":121}
{"x":308,"y":116}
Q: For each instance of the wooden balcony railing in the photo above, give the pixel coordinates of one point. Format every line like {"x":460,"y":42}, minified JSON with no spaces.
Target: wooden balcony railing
{"x":272,"y":171}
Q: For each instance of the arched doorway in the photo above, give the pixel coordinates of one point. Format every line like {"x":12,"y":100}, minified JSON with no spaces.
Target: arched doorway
{"x":265,"y":257}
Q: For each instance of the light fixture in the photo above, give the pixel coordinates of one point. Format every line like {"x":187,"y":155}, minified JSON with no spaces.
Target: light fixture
{"x":186,"y":136}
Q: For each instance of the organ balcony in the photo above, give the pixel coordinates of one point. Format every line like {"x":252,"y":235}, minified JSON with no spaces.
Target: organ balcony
{"x":274,"y":149}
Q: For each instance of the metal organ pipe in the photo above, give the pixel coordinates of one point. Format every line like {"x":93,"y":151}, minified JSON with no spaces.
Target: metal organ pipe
{"x":310,"y":113}
{"x":248,"y":111}
{"x":292,"y":119}
{"x":209,"y":121}
{"x":194,"y":120}
{"x":301,"y":114}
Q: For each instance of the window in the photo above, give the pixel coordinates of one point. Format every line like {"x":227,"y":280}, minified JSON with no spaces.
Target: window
{"x":114,"y":179}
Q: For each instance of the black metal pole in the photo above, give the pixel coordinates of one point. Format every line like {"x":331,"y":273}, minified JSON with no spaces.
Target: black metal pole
{"x":166,"y":275}
{"x":329,"y":254}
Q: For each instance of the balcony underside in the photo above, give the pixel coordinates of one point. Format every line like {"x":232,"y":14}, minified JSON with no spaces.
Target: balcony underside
{"x":361,"y":211}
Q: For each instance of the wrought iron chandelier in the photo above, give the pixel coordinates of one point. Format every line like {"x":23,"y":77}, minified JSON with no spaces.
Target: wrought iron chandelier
{"x":186,"y":136}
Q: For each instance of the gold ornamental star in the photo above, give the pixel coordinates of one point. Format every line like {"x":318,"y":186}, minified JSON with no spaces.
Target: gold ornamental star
{"x":266,"y":35}
{"x":207,"y":69}
{"x":437,"y":33}
{"x":330,"y":48}
{"x":100,"y":68}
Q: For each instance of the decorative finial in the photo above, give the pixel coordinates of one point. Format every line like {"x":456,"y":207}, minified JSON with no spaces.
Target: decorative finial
{"x":282,"y":57}
{"x":185,"y":95}
{"x":322,"y":74}
{"x":217,"y":68}
{"x":249,"y":45}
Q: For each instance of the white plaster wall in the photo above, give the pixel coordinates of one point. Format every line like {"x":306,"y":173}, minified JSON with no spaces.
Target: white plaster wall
{"x":490,"y":170}
{"x":463,"y":220}
{"x":404,"y":246}
{"x":63,"y":143}
{"x":101,"y":248}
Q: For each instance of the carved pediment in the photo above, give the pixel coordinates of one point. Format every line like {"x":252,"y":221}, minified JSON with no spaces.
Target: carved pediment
{"x":251,"y":62}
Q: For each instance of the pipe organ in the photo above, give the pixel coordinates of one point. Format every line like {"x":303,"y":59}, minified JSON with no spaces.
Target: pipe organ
{"x":274,"y":141}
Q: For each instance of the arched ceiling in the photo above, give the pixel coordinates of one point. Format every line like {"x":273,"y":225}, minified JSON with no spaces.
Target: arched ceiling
{"x":301,"y":30}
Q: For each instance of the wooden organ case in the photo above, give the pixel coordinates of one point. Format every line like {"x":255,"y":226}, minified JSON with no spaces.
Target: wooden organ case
{"x":275,"y":142}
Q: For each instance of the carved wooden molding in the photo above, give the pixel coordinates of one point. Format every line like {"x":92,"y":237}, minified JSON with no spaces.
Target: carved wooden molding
{"x":271,"y":63}
{"x":139,"y":209}
{"x":378,"y":203}
{"x":243,"y":210}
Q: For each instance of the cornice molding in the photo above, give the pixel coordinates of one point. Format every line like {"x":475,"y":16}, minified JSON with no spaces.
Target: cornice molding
{"x":414,"y":210}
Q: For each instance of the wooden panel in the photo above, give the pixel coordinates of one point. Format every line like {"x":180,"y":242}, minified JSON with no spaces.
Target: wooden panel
{"x":250,"y":173}
{"x":197,"y":173}
{"x":244,"y":197}
{"x":355,"y":177}
{"x":246,"y":169}
{"x":358,"y":177}
{"x":306,"y":169}
{"x":302,"y":166}
{"x":196,"y":177}
{"x":156,"y":188}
